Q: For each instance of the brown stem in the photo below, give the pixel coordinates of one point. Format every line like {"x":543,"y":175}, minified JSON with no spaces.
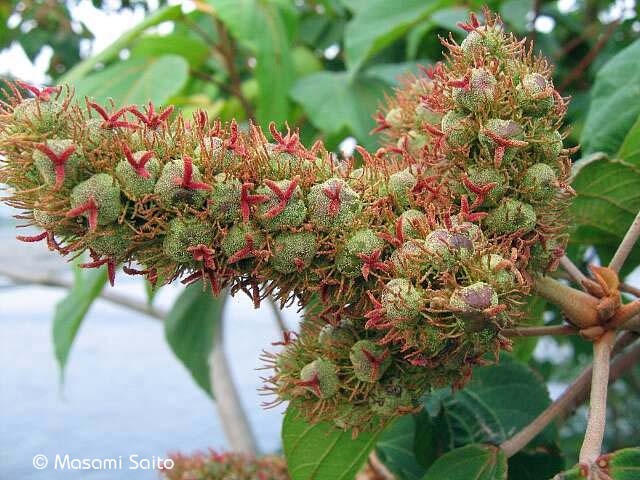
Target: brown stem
{"x":592,"y":443}
{"x":573,"y":271}
{"x":625,"y":287}
{"x":625,"y":247}
{"x":589,"y":57}
{"x":579,"y":307}
{"x":277,"y":313}
{"x":227,"y":49}
{"x":539,"y":331}
{"x":559,"y":407}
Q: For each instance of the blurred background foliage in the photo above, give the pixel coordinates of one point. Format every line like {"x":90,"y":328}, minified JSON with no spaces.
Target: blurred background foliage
{"x":325,"y":66}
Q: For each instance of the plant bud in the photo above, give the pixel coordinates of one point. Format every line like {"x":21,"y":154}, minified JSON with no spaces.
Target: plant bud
{"x":133,"y":184}
{"x":369,"y":360}
{"x":173,"y":194}
{"x":539,"y":183}
{"x":507,"y":129}
{"x":46,"y":168}
{"x":364,"y":242}
{"x":320,"y":378}
{"x":412,"y":222}
{"x":532,"y":97}
{"x":333,"y":204}
{"x":484,"y":176}
{"x":544,"y":257}
{"x":104,"y":191}
{"x":401,"y":300}
{"x":46,"y":220}
{"x":400,"y":185}
{"x":423,"y":114}
{"x":225,"y":198}
{"x":458,"y":128}
{"x":511,"y":216}
{"x":293,"y":251}
{"x":478,"y":93}
{"x":183,"y":234}
{"x":293,"y":214}
{"x":482,"y":40}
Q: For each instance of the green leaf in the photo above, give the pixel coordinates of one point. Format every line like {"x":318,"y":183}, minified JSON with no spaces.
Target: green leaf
{"x":261,"y":27}
{"x":395,"y":449}
{"x":381,"y":23}
{"x":137,"y":80}
{"x":630,"y":149}
{"x":535,"y":464}
{"x":320,"y":451}
{"x":477,"y":462}
{"x":83,"y":68}
{"x":391,"y":73}
{"x":498,"y":401}
{"x":515,"y":12}
{"x":622,"y":465}
{"x":614,"y":107}
{"x":192,"y":49}
{"x":607,"y":202}
{"x":189,"y":330}
{"x":72,"y":309}
{"x":351,"y":106}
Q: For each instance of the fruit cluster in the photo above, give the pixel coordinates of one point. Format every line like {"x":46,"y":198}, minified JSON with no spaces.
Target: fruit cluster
{"x":408,"y":262}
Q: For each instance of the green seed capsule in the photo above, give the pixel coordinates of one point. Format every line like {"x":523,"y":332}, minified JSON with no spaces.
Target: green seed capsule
{"x":364,"y":242}
{"x":478,"y":93}
{"x":293,"y":213}
{"x":293,"y":252}
{"x":46,"y":168}
{"x":369,"y":360}
{"x":511,"y":216}
{"x":135,"y":185}
{"x":458,"y":128}
{"x":173,"y":194}
{"x":183,"y":234}
{"x":539,"y":183}
{"x":400,"y":185}
{"x":104,"y":191}
{"x":333,"y":204}
{"x":401,"y":300}
{"x":320,"y":378}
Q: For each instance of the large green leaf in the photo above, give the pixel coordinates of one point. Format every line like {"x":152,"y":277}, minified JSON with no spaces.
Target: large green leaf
{"x":608,"y":199}
{"x":194,"y":50}
{"x":263,"y":27}
{"x":377,"y":23}
{"x":536,"y":464}
{"x":137,"y":80}
{"x":622,"y":465}
{"x":72,"y":309}
{"x":189,"y":329}
{"x":320,"y":451}
{"x":499,"y":400}
{"x":614,"y":102}
{"x":396,"y":449}
{"x":630,"y":149}
{"x":472,"y":462}
{"x":336,"y":103}
{"x":83,"y":68}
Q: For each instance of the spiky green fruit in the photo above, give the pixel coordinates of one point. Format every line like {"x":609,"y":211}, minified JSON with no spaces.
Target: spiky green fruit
{"x":45,"y":219}
{"x":445,"y":247}
{"x":485,"y":176}
{"x":241,"y":236}
{"x":414,"y":141}
{"x":320,"y":378}
{"x":96,"y":134}
{"x":220,"y":157}
{"x":133,"y":184}
{"x":104,"y":191}
{"x":482,"y":40}
{"x":293,"y":214}
{"x":369,"y":360}
{"x":364,"y":242}
{"x":400,"y":185}
{"x":474,"y":299}
{"x":410,"y":259}
{"x":46,"y":168}
{"x":511,"y":216}
{"x":548,"y":146}
{"x":333,"y":204}
{"x":173,"y":194}
{"x":391,"y":398}
{"x":507,"y":129}
{"x":42,"y":115}
{"x":225,"y":198}
{"x":539,"y":183}
{"x":394,"y":117}
{"x":479,"y":92}
{"x":340,"y":335}
{"x":423,"y":114}
{"x":544,"y":256}
{"x":412,"y":223}
{"x":494,"y":267}
{"x":281,"y":164}
{"x":458,"y":128}
{"x":293,"y":252}
{"x":535,"y":95}
{"x":401,"y":300}
{"x":113,"y":242}
{"x":183,"y":234}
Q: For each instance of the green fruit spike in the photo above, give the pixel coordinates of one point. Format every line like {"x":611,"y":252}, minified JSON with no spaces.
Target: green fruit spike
{"x":137,"y":173}
{"x":184,"y":234}
{"x":333,"y":204}
{"x":320,"y":378}
{"x":293,"y":252}
{"x":284,"y":206}
{"x":474,"y":299}
{"x":539,"y":183}
{"x":477,"y":90}
{"x":58,"y":162}
{"x":401,"y":300}
{"x":180,"y":183}
{"x":369,"y":360}
{"x":458,"y":128}
{"x":400,"y":185}
{"x":349,"y":258}
{"x":511,"y":216}
{"x":97,"y":199}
